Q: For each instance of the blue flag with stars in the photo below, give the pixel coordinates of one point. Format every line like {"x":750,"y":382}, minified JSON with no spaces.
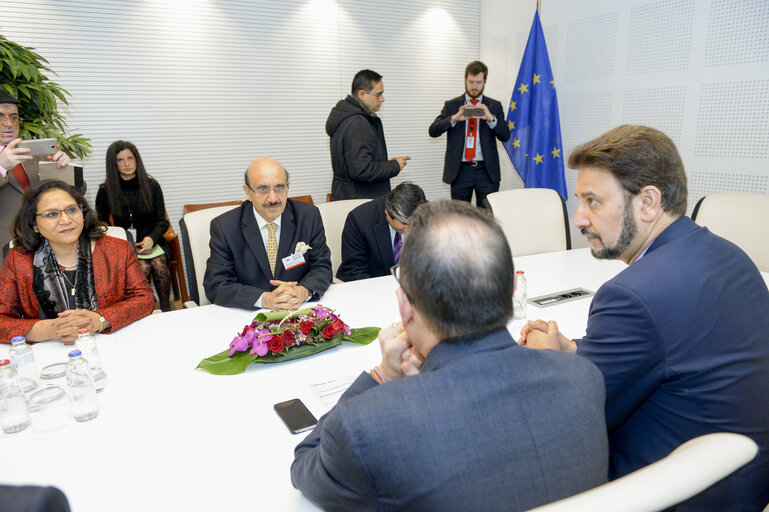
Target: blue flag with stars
{"x":534,"y":146}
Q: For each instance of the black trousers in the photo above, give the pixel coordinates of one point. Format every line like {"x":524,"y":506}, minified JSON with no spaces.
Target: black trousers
{"x":473,"y":177}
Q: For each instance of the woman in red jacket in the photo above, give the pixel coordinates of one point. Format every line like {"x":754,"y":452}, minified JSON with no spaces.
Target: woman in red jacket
{"x":64,"y":274}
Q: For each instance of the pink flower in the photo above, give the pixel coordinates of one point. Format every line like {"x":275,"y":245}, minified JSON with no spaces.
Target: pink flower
{"x":260,"y":346}
{"x":242,"y":341}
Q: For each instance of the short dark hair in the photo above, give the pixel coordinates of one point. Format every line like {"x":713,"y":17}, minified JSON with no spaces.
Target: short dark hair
{"x":249,"y":185}
{"x":457,"y":270}
{"x":401,"y":201}
{"x":476,"y":67}
{"x":638,"y":156}
{"x":24,"y":223}
{"x":365,"y":80}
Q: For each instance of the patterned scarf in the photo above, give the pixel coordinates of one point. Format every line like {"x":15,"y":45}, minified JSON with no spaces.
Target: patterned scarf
{"x":49,"y":285}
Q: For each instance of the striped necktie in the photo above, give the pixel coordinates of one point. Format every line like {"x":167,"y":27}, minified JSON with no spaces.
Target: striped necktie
{"x":272,"y":246}
{"x":397,"y":243}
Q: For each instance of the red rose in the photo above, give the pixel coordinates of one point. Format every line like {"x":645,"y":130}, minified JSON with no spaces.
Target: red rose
{"x":306,"y":327}
{"x":288,"y":338}
{"x":333,"y":328}
{"x":275,"y":345}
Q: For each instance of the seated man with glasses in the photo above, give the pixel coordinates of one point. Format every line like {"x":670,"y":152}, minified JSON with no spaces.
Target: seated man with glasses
{"x":64,"y":274}
{"x":18,"y":169}
{"x":271,"y":251}
{"x":374,"y":233}
{"x":358,"y":149}
{"x":478,"y":423}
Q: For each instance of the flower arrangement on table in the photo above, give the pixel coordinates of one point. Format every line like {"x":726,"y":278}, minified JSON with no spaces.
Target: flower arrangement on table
{"x":278,"y":336}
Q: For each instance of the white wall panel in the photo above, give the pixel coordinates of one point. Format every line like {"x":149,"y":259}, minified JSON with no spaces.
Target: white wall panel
{"x":202,"y":87}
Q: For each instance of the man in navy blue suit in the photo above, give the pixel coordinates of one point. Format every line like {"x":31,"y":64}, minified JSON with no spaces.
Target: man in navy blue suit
{"x":271,"y":251}
{"x":374,"y":233}
{"x":682,"y":334}
{"x":472,"y":161}
{"x":484,"y":423}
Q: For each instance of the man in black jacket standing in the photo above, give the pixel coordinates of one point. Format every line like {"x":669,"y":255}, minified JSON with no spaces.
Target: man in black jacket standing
{"x":472,"y":161}
{"x":358,"y":149}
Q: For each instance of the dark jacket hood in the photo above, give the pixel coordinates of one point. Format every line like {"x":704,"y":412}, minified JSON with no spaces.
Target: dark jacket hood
{"x":342,"y":110}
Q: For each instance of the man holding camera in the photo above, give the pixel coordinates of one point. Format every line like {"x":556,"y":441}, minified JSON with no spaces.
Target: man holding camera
{"x":18,"y":168}
{"x":473,"y":122}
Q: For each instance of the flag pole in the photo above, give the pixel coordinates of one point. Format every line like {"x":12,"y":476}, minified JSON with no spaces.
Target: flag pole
{"x":539,"y":5}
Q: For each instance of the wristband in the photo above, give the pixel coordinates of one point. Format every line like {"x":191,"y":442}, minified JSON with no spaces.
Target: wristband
{"x":378,"y":375}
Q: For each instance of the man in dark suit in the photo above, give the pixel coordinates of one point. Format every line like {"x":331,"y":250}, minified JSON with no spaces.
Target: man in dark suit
{"x":18,"y":169}
{"x":457,"y":416}
{"x":682,"y":334}
{"x":374,"y":233}
{"x":472,"y":161}
{"x":271,"y":251}
{"x":358,"y":148}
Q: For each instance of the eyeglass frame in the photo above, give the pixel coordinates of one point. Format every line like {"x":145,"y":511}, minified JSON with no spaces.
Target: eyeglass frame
{"x":377,"y":94}
{"x":269,"y":189}
{"x":394,"y":270}
{"x":79,"y":209}
{"x":10,"y":117}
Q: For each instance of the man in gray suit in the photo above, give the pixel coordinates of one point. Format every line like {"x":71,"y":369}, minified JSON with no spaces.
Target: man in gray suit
{"x":18,"y":169}
{"x":478,"y":423}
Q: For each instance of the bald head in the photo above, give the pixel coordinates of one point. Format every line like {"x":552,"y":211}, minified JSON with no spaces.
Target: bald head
{"x":267,"y":187}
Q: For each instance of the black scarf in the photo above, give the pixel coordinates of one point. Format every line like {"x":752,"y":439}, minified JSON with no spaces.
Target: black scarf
{"x":48,"y":280}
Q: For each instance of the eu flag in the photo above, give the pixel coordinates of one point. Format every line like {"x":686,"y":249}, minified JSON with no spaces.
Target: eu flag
{"x":534,"y":146}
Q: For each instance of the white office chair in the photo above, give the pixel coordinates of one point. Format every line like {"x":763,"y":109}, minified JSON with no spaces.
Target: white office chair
{"x":195,"y":227}
{"x":688,"y":470}
{"x":743,"y":219}
{"x":334,"y":215}
{"x":534,"y":220}
{"x":117,"y":232}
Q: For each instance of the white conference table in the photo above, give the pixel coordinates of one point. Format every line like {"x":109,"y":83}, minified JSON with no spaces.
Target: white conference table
{"x":169,"y":437}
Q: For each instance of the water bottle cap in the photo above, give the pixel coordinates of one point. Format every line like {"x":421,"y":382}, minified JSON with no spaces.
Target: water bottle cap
{"x":4,"y":362}
{"x":84,"y":330}
{"x":75,"y":353}
{"x":17,"y":339}
{"x":519,"y":271}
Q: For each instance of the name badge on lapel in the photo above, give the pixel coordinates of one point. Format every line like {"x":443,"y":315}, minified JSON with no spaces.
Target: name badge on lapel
{"x":293,"y":261}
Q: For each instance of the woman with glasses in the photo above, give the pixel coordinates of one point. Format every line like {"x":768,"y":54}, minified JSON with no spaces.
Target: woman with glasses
{"x":132,"y":199}
{"x":64,"y":274}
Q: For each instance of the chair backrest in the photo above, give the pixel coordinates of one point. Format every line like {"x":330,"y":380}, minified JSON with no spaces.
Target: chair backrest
{"x":534,"y":220}
{"x":688,"y":470}
{"x":196,"y":234}
{"x":743,"y":219}
{"x":118,"y":232}
{"x":304,"y":199}
{"x":334,"y":215}
{"x":187,"y":208}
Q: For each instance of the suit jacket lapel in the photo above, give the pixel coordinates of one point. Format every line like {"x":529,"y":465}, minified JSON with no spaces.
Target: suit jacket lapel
{"x":254,"y":238}
{"x":382,"y":236}
{"x":287,"y":230}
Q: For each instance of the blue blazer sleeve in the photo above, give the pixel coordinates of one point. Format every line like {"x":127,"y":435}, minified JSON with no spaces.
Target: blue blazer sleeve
{"x":622,"y":340}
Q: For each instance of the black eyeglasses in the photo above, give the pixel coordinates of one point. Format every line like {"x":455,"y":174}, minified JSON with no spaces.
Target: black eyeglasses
{"x":263,"y":190}
{"x":395,"y":270}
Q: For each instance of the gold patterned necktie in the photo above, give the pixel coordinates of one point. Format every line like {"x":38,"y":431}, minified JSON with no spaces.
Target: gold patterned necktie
{"x":272,"y":246}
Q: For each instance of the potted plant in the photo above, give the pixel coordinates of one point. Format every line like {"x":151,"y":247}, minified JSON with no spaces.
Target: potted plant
{"x":22,"y":75}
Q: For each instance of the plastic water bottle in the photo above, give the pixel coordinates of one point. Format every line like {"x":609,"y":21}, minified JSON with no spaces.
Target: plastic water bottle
{"x":86,"y":344}
{"x":23,"y":361}
{"x":14,"y":416}
{"x":519,"y":296}
{"x":82,"y":391}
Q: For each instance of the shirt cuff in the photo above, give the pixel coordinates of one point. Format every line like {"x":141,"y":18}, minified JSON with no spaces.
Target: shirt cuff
{"x":258,"y":303}
{"x":492,"y":124}
{"x":3,"y":171}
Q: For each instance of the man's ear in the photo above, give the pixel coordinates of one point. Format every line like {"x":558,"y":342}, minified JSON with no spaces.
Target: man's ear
{"x":405,"y":307}
{"x":360,"y":94}
{"x":651,"y":203}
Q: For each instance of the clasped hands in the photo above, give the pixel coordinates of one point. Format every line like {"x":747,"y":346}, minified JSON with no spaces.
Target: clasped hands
{"x":286,"y":297}
{"x":399,"y":357}
{"x":65,"y":327}
{"x":545,"y":335}
{"x":460,"y":115}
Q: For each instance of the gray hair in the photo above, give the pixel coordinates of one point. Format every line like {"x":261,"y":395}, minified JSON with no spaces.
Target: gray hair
{"x":403,"y":200}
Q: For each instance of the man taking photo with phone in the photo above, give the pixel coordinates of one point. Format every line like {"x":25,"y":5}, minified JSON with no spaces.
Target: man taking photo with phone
{"x":18,"y":168}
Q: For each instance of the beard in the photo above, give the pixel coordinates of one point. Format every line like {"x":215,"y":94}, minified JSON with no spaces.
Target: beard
{"x":475,"y":95}
{"x":626,"y":236}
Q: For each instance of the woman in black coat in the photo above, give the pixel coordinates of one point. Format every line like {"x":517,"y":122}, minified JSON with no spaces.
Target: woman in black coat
{"x":134,"y":201}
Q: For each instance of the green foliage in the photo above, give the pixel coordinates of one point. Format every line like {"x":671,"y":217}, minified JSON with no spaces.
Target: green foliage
{"x":22,"y":75}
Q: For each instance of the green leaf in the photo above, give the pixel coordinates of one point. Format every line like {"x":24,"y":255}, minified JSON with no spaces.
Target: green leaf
{"x":362,"y":335}
{"x":305,"y":350}
{"x":277,"y":316}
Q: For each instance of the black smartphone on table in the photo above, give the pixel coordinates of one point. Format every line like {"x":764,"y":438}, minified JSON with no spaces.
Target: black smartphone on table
{"x":295,"y":415}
